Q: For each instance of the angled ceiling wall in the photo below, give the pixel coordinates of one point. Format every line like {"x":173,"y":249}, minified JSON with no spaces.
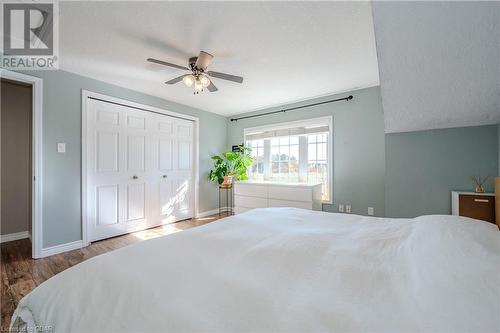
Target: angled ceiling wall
{"x":439,"y":63}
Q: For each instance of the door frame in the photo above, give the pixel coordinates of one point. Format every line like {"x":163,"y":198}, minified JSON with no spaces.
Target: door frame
{"x":36,"y":157}
{"x":86,"y":94}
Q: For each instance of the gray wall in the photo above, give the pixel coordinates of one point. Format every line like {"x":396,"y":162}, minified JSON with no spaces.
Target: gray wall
{"x":62,"y":172}
{"x":358,"y":146}
{"x":16,"y":157}
{"x":423,"y":167}
{"x":498,"y":134}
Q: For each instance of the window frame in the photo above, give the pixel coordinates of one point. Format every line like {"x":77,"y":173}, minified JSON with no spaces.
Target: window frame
{"x":280,"y":161}
{"x":311,"y":122}
{"x":250,"y":173}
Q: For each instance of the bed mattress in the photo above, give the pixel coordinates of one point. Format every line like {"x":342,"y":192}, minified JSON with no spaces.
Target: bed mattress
{"x":284,"y":269}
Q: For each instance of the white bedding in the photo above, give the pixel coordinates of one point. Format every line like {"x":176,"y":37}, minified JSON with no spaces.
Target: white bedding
{"x":285,"y":269}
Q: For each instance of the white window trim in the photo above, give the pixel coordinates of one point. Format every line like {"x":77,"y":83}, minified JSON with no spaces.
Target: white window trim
{"x":320,"y":121}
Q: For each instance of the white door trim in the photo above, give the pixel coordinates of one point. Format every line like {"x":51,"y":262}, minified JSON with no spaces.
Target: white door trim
{"x":86,"y":94}
{"x":36,"y":192}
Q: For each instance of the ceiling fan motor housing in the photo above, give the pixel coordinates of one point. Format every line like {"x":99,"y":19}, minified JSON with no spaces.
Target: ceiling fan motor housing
{"x":192,"y":62}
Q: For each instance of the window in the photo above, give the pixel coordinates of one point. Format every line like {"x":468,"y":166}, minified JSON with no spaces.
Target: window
{"x":295,"y":152}
{"x":256,"y":171}
{"x":285,"y":159}
{"x":317,"y":161}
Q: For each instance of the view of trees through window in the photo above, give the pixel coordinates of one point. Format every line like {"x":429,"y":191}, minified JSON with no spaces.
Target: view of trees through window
{"x":279,"y":159}
{"x":285,"y":159}
{"x":256,"y":171}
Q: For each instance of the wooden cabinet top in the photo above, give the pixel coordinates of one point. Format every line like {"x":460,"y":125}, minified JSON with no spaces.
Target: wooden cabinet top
{"x":473,"y":193}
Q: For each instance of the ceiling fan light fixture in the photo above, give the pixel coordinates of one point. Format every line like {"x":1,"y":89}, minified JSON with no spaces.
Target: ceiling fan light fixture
{"x":188,"y":80}
{"x":198,"y":86}
{"x":205,"y":81}
{"x":199,"y":78}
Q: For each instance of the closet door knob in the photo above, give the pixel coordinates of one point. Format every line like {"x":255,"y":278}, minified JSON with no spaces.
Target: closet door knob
{"x":164,"y":176}
{"x":135,"y":177}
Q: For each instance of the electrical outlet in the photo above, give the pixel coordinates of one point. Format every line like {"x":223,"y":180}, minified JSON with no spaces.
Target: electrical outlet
{"x":347,"y":208}
{"x":371,"y":211}
{"x":341,"y":208}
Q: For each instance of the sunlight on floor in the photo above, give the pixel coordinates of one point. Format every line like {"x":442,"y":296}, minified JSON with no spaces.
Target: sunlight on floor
{"x":146,"y":234}
{"x":206,"y":219}
{"x":169,"y":229}
{"x":158,"y":231}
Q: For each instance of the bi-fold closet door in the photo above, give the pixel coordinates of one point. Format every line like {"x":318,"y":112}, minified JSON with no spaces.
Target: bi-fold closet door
{"x":139,"y":169}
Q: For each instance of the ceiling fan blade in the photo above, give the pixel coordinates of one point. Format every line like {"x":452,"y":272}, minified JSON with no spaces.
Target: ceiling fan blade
{"x":204,"y":59}
{"x":224,"y":76}
{"x":177,"y":79}
{"x":211,"y":87}
{"x":161,"y":62}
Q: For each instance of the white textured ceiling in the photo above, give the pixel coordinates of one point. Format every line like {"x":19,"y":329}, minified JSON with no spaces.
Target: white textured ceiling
{"x":439,"y":63}
{"x":285,"y":51}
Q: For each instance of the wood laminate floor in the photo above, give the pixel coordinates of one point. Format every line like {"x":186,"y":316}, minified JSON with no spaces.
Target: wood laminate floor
{"x":20,"y":273}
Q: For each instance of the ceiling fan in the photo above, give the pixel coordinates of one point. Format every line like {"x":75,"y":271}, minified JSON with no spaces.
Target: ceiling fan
{"x":199,"y":77}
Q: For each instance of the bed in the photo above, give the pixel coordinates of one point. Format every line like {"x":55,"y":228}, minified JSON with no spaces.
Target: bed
{"x":284,"y":269}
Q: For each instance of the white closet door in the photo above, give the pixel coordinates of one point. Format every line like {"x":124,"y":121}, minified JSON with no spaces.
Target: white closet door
{"x":173,"y":169}
{"x":139,"y":169}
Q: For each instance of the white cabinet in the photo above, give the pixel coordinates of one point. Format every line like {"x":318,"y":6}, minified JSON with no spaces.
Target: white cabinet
{"x":249,"y":195}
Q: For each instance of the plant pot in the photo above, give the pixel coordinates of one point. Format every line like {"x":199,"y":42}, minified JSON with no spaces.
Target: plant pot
{"x":228,"y":181}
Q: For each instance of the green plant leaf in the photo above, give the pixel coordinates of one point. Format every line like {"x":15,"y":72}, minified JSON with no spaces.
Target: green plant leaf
{"x":231,"y":163}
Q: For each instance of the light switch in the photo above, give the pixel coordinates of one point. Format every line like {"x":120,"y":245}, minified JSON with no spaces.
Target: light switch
{"x":61,"y":147}
{"x":371,"y":211}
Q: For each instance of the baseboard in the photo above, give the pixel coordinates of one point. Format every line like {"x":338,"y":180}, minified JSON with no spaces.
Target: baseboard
{"x":50,"y":251}
{"x":14,"y":236}
{"x":212,"y":212}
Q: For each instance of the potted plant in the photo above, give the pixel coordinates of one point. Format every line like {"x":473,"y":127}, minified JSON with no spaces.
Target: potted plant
{"x":230,"y":166}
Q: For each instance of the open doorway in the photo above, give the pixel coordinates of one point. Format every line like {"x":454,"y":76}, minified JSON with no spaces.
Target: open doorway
{"x":16,"y":151}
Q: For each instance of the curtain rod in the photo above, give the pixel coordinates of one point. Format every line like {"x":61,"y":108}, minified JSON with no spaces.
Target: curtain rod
{"x":348,"y":98}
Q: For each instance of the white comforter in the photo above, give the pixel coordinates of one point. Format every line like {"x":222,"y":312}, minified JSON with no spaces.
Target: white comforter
{"x":285,"y":269}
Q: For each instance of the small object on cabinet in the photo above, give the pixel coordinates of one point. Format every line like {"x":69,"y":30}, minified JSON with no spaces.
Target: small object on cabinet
{"x":479,"y":183}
